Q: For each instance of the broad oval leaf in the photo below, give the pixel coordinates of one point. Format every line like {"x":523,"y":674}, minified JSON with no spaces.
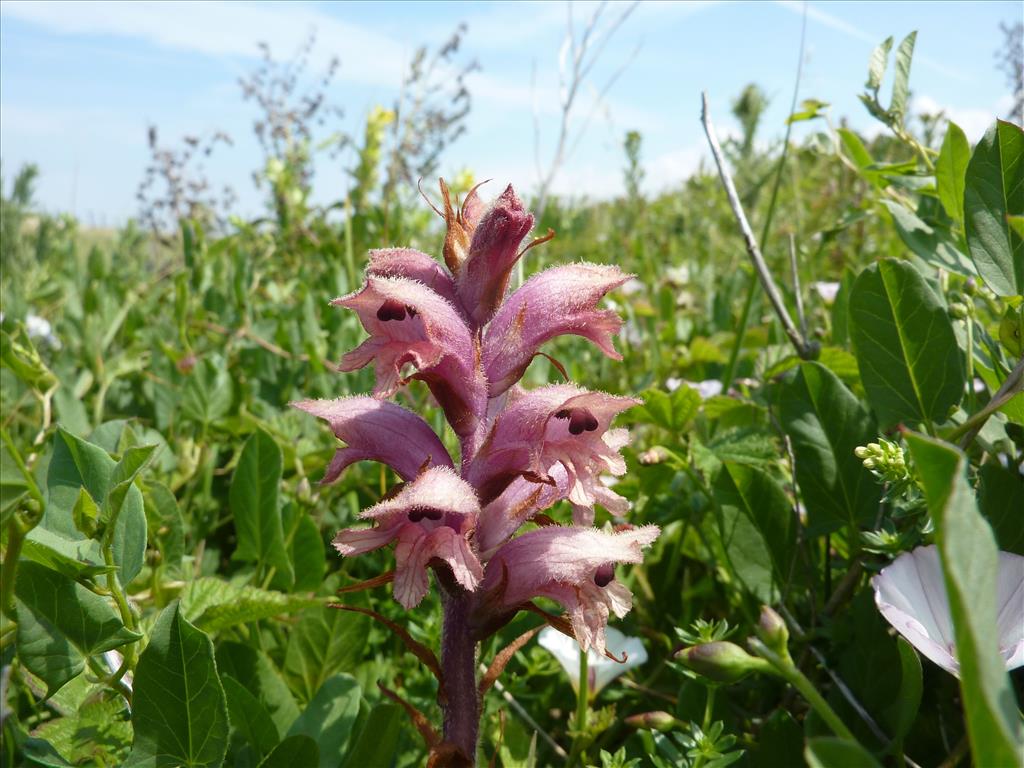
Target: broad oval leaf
{"x":970,"y":565}
{"x":378,"y":739}
{"x":906,"y":350}
{"x":825,"y":423}
{"x":950,"y":169}
{"x":294,"y":752}
{"x":180,"y":713}
{"x":993,"y":190}
{"x":329,"y":717}
{"x":830,"y":752}
{"x":249,"y":718}
{"x":254,"y":503}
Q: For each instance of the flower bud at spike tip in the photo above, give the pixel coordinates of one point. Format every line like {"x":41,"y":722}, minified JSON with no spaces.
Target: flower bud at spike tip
{"x":772,"y":630}
{"x":720,"y":661}
{"x":653,"y":721}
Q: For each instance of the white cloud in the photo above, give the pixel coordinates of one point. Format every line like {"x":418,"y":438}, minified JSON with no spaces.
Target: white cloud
{"x":974,"y":121}
{"x":836,"y":23}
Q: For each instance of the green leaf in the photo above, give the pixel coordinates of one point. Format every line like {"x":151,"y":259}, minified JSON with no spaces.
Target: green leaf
{"x":970,"y":565}
{"x":75,"y":464}
{"x":830,"y":752}
{"x":295,"y":752}
{"x":825,"y":423}
{"x":934,"y":245}
{"x":207,"y":394}
{"x":257,"y":673}
{"x":166,"y":525}
{"x":85,"y":513}
{"x":213,"y":604}
{"x":180,"y":714}
{"x":329,"y":717}
{"x":254,"y":503}
{"x":668,"y":410}
{"x":878,"y":63}
{"x":378,"y":739}
{"x":74,"y":559}
{"x":809,"y":110}
{"x":911,"y":688}
{"x":324,"y":642}
{"x":901,"y":77}
{"x":61,"y":624}
{"x":305,"y":548}
{"x":756,"y":528}
{"x":250,"y":718}
{"x":122,"y":479}
{"x":993,"y":190}
{"x":98,"y":733}
{"x":950,"y":169}
{"x":906,"y":350}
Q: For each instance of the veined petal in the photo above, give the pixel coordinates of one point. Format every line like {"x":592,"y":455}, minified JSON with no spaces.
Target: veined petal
{"x":412,"y":265}
{"x":377,"y":430}
{"x":561,"y":300}
{"x":519,"y":502}
{"x":430,"y":519}
{"x":572,"y":565}
{"x":493,"y":251}
{"x":556,"y":424}
{"x":409,"y":324}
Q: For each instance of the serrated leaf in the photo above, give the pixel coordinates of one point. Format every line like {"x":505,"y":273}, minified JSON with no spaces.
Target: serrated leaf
{"x":993,"y":190}
{"x":329,"y":717}
{"x":324,"y":642}
{"x":180,"y":714}
{"x":970,"y":565}
{"x":214,"y":605}
{"x":254,"y":503}
{"x":825,"y":423}
{"x":61,"y":624}
{"x":950,"y":169}
{"x":909,"y":360}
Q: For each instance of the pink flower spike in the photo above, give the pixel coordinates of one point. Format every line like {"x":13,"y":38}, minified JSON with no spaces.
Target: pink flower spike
{"x":558,"y":424}
{"x":560,"y":300}
{"x":431,"y":519}
{"x":574,"y":566}
{"x":523,"y":499}
{"x":493,"y":251}
{"x":376,"y":430}
{"x":413,"y":265}
{"x":409,"y":324}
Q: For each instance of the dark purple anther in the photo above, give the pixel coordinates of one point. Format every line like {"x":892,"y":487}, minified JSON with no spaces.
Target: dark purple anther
{"x":419,"y":513}
{"x":604,"y":574}
{"x":391,"y":310}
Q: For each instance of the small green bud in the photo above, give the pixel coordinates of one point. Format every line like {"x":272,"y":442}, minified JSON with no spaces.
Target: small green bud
{"x":971,"y":286}
{"x":957,"y":310}
{"x":861,"y":452}
{"x":720,"y":661}
{"x":772,"y":630}
{"x":869,"y":463}
{"x":653,"y":721}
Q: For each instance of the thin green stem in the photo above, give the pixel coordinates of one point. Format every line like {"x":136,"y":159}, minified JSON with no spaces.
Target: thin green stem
{"x":30,"y":482}
{"x":116,"y":591}
{"x":582,"y":708}
{"x":15,"y":538}
{"x":789,"y":672}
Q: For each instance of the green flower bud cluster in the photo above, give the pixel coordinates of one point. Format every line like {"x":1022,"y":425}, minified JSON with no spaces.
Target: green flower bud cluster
{"x":885,"y":459}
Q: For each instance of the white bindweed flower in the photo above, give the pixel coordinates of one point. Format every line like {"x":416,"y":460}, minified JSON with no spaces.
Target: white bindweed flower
{"x":600,"y":669}
{"x":672,"y":383}
{"x":40,"y":328}
{"x":911,"y":594}
{"x":827,"y":291}
{"x":708,"y":388}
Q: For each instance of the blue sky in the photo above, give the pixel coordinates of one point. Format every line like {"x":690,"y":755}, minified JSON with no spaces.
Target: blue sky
{"x":80,"y":82}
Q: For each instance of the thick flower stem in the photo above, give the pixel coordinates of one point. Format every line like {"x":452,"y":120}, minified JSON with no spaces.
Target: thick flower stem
{"x":458,"y":664}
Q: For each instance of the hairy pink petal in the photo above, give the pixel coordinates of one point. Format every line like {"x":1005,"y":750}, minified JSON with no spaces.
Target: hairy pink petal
{"x":523,"y":499}
{"x":376,"y":430}
{"x":561,"y":300}
{"x":413,"y":265}
{"x":572,"y":565}
{"x":555,"y":424}
{"x":409,"y":324}
{"x":493,"y":251}
{"x":430,"y":518}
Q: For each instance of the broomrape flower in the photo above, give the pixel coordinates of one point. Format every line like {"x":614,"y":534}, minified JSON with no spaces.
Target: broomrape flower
{"x":600,"y":669}
{"x":911,"y":594}
{"x":457,"y":328}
